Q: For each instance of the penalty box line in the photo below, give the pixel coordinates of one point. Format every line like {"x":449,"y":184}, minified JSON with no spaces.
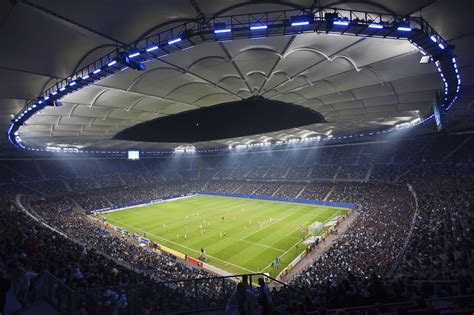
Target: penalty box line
{"x":202,"y":214}
{"x":183,"y":246}
{"x":258,"y":244}
{"x":297,"y":243}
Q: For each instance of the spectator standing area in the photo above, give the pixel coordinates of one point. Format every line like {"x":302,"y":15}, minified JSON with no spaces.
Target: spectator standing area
{"x":237,"y":235}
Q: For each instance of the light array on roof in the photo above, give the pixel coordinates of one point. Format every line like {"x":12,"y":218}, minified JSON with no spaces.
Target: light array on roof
{"x":300,"y":22}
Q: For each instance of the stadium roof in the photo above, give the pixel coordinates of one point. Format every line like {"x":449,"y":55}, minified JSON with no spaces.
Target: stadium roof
{"x":357,"y":84}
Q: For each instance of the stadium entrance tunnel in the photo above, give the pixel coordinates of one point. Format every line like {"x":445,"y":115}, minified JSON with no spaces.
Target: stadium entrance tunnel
{"x":246,"y":117}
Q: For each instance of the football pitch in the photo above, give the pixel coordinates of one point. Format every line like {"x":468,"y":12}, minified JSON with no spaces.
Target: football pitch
{"x":238,"y":235}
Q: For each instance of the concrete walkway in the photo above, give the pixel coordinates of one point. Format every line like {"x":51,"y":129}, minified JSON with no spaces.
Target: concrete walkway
{"x":321,"y":248}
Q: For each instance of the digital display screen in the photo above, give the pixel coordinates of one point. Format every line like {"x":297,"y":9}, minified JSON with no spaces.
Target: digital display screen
{"x":437,"y":115}
{"x":133,"y":155}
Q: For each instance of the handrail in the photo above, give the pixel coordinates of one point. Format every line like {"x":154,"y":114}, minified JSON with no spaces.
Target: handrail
{"x":410,"y":232}
{"x":160,"y":283}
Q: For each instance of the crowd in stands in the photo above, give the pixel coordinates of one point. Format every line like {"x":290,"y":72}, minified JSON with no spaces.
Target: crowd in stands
{"x":375,"y":239}
{"x":395,"y":241}
{"x":442,"y":245}
{"x":92,"y":257}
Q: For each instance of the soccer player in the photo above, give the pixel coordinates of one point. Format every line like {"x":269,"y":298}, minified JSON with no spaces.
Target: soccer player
{"x":222,"y":218}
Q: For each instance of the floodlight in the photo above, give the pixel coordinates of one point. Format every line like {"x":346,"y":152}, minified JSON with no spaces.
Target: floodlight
{"x":258,"y":27}
{"x":301,"y":20}
{"x":125,"y":59}
{"x":152,"y":48}
{"x":404,"y":27}
{"x":174,"y":41}
{"x":220,"y":28}
{"x":341,"y":22}
{"x":425,"y":59}
{"x":375,"y":25}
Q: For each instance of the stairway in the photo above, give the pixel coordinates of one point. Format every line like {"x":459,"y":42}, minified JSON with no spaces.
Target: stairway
{"x":329,"y":193}
{"x":369,"y":173}
{"x":301,"y":191}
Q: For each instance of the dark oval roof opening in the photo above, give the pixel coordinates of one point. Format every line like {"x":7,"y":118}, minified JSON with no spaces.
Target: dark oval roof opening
{"x":246,"y":117}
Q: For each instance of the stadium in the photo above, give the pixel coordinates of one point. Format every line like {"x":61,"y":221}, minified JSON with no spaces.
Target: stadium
{"x":236,"y":157}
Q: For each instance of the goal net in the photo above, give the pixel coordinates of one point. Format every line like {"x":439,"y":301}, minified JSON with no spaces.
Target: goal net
{"x":315,"y":228}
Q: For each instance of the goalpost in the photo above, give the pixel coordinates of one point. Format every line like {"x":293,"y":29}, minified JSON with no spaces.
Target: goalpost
{"x":315,"y":228}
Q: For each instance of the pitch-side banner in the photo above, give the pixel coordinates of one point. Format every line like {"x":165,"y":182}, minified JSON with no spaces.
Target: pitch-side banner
{"x":172,"y":252}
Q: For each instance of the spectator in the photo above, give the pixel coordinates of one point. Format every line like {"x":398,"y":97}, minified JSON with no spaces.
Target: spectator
{"x":243,"y":300}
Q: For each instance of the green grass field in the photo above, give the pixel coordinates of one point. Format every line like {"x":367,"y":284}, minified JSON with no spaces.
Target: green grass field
{"x":256,"y":231}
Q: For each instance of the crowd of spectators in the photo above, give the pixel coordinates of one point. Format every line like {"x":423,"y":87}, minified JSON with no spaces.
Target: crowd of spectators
{"x":316,"y":190}
{"x":375,"y":239}
{"x":27,"y":248}
{"x":93,"y":257}
{"x":442,"y":245}
{"x":351,"y":172}
{"x":373,"y":261}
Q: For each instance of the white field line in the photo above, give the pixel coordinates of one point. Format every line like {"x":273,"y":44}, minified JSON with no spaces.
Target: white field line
{"x":327,"y":220}
{"x":197,"y":219}
{"x":266,"y":226}
{"x":205,"y":215}
{"x":183,"y":246}
{"x":299,"y":242}
{"x":280,"y":256}
{"x":281,"y":219}
{"x":258,"y":244}
{"x":211,"y":210}
{"x":152,"y":202}
{"x":216,"y":205}
{"x":278,"y":249}
{"x":176,"y":223}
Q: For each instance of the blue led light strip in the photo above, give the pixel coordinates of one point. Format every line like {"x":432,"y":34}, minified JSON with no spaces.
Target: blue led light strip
{"x":382,"y":26}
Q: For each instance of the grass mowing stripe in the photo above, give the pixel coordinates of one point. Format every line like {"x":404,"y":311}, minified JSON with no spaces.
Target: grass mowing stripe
{"x":246,"y":247}
{"x":180,"y":245}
